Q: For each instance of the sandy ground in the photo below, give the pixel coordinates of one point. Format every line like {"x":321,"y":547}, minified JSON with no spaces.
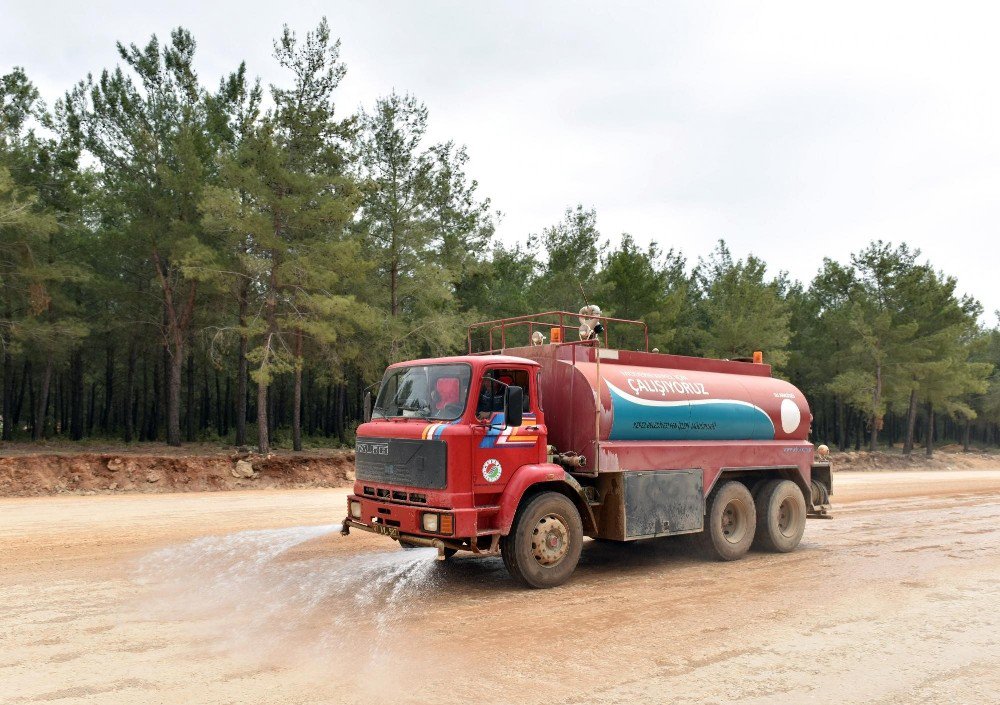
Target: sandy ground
{"x":252,"y":597}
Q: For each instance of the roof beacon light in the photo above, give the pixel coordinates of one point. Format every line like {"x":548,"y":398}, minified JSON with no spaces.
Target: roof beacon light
{"x":758,"y":357}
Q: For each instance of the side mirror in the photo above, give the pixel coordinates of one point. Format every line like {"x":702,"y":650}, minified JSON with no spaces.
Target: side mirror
{"x":368,"y":407}
{"x":513,"y":406}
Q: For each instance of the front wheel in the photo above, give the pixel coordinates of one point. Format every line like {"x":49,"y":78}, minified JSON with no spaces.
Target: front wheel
{"x":543,"y":546}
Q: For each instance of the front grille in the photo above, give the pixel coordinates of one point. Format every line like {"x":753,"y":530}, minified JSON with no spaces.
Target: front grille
{"x":396,"y":495}
{"x":402,"y":461}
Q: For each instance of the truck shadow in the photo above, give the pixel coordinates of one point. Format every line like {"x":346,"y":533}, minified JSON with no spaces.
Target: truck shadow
{"x":597,"y":559}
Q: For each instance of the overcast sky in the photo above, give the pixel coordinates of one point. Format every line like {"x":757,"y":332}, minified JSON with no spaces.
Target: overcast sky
{"x":794,"y":131}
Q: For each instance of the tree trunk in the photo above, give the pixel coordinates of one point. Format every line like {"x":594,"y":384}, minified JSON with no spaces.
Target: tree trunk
{"x":92,"y":409}
{"x":42,"y":403}
{"x":241,"y":375}
{"x":128,"y":402}
{"x":226,"y":407}
{"x":189,"y":407}
{"x":929,"y":448}
{"x":965,"y":435}
{"x":7,"y":391}
{"x":841,"y":425}
{"x":270,"y":308}
{"x":220,"y":423}
{"x":22,"y":389}
{"x":263,"y":445}
{"x":76,"y":396}
{"x":177,"y":322}
{"x":174,"y":384}
{"x":297,"y":395}
{"x":876,"y":399}
{"x":911,"y":423}
{"x":107,"y":416}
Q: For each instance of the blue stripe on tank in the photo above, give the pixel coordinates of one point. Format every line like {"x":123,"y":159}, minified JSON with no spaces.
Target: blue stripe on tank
{"x":635,"y":418}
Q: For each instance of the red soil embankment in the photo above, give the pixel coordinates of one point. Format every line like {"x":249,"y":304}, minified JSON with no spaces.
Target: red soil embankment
{"x":30,"y":474}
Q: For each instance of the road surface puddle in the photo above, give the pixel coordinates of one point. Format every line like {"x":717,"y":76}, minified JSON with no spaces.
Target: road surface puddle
{"x":277,"y":590}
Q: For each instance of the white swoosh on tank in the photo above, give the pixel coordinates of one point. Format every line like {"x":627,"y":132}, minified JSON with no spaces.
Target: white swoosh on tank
{"x":682,"y":402}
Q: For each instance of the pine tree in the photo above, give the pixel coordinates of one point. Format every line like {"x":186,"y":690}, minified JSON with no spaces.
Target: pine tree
{"x":570,"y":275}
{"x":645,"y":285}
{"x":741,"y":310}
{"x":400,"y":225}
{"x":155,"y":132}
{"x":285,"y":202}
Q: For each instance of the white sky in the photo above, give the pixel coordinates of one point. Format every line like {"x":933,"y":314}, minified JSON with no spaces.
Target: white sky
{"x":792,"y":130}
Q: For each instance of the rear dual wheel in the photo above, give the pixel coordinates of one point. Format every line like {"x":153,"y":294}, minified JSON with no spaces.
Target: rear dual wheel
{"x":773,"y":518}
{"x":543,"y":546}
{"x":781,"y":516}
{"x":730,"y":522}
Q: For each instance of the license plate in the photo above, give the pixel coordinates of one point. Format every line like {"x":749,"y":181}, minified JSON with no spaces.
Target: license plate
{"x":390,"y":531}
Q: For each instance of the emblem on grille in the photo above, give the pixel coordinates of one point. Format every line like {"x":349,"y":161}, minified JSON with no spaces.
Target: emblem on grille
{"x":371,"y":448}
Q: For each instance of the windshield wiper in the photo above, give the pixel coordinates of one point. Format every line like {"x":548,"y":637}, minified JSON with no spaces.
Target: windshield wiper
{"x":425,"y":412}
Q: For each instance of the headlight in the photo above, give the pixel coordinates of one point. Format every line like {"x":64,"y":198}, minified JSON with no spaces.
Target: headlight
{"x":438,"y":523}
{"x":355,"y":509}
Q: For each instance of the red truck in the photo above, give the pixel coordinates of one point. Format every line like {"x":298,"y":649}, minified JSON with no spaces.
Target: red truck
{"x":525,"y":450}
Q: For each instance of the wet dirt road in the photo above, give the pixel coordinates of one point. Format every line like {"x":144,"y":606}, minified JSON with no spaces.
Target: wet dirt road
{"x":252,"y":597}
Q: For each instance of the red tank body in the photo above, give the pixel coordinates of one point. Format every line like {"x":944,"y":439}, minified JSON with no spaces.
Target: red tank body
{"x":627,"y":410}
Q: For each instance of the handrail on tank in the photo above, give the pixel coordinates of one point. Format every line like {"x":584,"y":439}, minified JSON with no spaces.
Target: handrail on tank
{"x":532,"y":320}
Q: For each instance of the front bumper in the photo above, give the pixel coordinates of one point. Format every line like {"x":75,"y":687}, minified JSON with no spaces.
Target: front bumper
{"x":404,"y":520}
{"x":393,"y":533}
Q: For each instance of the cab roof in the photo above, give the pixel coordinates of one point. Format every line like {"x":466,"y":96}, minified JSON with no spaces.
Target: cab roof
{"x":474,"y":360}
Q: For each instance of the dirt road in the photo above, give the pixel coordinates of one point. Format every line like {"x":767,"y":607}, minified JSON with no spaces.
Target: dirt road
{"x":252,"y":597}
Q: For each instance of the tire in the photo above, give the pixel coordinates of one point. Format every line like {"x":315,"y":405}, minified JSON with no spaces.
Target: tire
{"x":543,"y":546}
{"x":730,"y":522}
{"x":781,"y":516}
{"x":407,"y":546}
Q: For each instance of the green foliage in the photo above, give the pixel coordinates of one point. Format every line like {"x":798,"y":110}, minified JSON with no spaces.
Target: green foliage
{"x":571,"y":272}
{"x":741,"y":310}
{"x":646,"y":285}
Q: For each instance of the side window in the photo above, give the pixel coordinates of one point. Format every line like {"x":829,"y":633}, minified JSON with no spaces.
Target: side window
{"x":494,"y":382}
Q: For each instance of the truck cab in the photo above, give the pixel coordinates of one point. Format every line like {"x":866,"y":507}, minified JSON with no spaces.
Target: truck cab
{"x":445,"y":438}
{"x":462,"y":454}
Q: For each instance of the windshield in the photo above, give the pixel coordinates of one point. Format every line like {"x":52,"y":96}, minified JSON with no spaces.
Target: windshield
{"x":423,"y":391}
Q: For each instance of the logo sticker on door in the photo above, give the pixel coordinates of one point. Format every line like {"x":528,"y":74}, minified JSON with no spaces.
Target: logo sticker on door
{"x":492,"y":470}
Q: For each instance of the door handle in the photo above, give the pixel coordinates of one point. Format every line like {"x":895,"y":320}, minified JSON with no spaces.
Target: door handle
{"x":531,"y":428}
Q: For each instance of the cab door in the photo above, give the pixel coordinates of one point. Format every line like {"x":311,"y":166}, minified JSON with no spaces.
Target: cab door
{"x":499,"y":449}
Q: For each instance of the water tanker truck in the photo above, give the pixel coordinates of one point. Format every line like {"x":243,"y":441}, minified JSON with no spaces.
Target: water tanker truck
{"x":532,"y":441}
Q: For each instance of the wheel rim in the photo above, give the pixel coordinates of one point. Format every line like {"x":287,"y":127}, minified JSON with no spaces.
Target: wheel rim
{"x":788,"y":517}
{"x":734,"y":521}
{"x":550,"y":540}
